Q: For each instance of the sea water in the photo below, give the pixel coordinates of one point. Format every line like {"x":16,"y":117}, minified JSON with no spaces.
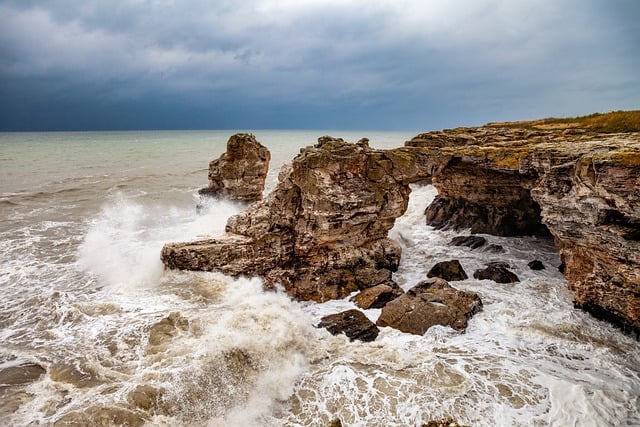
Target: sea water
{"x":93,"y":329}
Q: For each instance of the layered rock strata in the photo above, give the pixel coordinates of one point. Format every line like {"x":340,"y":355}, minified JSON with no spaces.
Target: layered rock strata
{"x":240,"y":172}
{"x":322,"y":233}
{"x":522,"y":179}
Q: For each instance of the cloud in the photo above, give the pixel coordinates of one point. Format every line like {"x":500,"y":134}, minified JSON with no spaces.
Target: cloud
{"x":468,"y":61}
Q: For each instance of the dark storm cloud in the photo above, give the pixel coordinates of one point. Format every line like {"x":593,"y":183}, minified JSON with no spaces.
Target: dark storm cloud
{"x":312,"y":63}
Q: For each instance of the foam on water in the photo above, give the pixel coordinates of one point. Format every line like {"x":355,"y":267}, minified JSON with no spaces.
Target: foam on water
{"x":86,"y":298}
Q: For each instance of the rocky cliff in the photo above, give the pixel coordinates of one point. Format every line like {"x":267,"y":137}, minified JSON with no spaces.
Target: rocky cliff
{"x":240,"y":172}
{"x":530,"y":178}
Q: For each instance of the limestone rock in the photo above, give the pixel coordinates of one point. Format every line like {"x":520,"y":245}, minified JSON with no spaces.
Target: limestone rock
{"x":531,"y":178}
{"x":377,"y":296}
{"x":353,"y":323}
{"x":322,"y":232}
{"x":498,"y":272}
{"x":448,"y":270}
{"x":239,"y":173}
{"x":430,"y":302}
{"x":472,"y":242}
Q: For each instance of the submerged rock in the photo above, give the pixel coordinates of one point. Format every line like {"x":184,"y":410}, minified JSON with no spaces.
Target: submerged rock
{"x":239,"y":173}
{"x":377,"y":296}
{"x":430,"y":302}
{"x":448,"y":270}
{"x":353,"y":323}
{"x":472,"y":242}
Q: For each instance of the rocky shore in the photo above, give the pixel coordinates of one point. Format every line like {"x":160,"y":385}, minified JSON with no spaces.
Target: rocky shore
{"x":323,"y":232}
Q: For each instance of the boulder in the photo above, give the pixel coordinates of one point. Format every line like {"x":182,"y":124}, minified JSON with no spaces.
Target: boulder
{"x":448,"y":270}
{"x":536,"y":265}
{"x":377,"y":296}
{"x":472,"y":242}
{"x":498,"y":272}
{"x":240,"y":172}
{"x":353,"y":323}
{"x":430,"y":302}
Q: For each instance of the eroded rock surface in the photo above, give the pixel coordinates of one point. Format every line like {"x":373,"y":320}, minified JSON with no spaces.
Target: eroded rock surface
{"x":530,"y":178}
{"x":430,"y":302}
{"x":322,"y":233}
{"x":240,"y":172}
{"x":377,"y":296}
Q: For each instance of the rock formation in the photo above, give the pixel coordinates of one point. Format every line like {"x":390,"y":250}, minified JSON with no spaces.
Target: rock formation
{"x":498,"y":272}
{"x":430,"y":302}
{"x":531,"y":178}
{"x":353,"y":323}
{"x":239,"y":173}
{"x":322,"y":233}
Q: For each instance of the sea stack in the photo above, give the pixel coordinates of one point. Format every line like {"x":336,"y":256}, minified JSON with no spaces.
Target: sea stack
{"x":240,"y":172}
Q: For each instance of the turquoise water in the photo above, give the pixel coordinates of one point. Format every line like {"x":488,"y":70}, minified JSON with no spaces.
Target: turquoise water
{"x":83,"y":217}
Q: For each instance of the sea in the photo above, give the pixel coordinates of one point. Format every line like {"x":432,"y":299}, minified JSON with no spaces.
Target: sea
{"x":94,"y":331}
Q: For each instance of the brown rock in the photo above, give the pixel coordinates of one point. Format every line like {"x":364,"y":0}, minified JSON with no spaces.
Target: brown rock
{"x":430,"y":302}
{"x":377,"y":296}
{"x":448,"y":270}
{"x":472,"y":242}
{"x":498,"y":272}
{"x":322,"y":232}
{"x":353,"y":323}
{"x":239,"y":173}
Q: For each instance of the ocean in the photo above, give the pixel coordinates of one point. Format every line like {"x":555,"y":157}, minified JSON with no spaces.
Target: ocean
{"x":94,"y":331}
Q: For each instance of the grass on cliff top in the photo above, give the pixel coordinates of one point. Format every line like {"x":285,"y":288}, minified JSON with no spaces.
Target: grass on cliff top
{"x":612,"y":122}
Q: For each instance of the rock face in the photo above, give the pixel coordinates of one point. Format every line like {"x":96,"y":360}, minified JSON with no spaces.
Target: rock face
{"x":430,"y":302}
{"x":240,"y":173}
{"x":322,"y":233}
{"x":448,"y":270}
{"x":353,"y":323}
{"x":532,"y":178}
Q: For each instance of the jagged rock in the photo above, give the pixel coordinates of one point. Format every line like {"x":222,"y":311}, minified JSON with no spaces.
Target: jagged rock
{"x":498,"y":272}
{"x":431,"y":302}
{"x":353,"y":323}
{"x":377,"y":296}
{"x":239,"y":173}
{"x":536,"y":265}
{"x":322,"y":233}
{"x":530,"y":177}
{"x":448,"y":270}
{"x":472,"y":242}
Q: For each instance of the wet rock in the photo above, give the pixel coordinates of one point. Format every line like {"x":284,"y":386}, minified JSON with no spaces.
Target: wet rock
{"x":161,"y":333}
{"x":145,"y":397}
{"x":322,"y":232}
{"x":377,"y":296}
{"x":240,"y":173}
{"x":446,"y":422}
{"x":472,"y":242}
{"x":536,"y":265}
{"x":430,"y":302}
{"x":448,"y":270}
{"x":353,"y":323}
{"x":498,"y":272}
{"x":494,"y":249}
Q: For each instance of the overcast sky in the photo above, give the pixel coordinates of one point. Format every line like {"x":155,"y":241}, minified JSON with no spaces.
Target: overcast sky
{"x":312,"y":64}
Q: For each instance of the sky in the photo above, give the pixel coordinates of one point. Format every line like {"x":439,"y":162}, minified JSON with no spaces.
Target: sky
{"x":312,"y":64}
